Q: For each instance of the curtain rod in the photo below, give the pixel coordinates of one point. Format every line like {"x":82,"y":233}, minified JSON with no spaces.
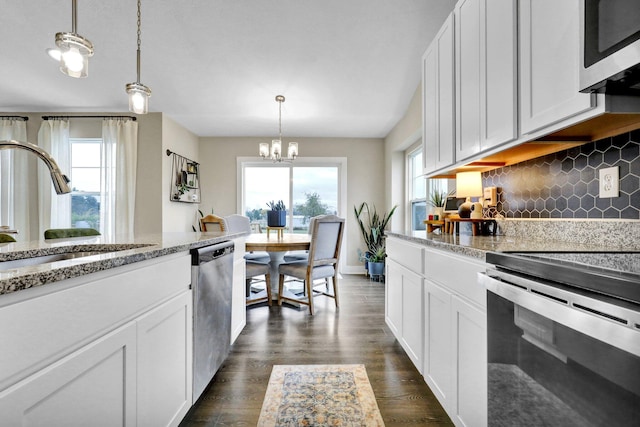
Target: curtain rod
{"x":89,"y":117}
{"x":25,"y":118}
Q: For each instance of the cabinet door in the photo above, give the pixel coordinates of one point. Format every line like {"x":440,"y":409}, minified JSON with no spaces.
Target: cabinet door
{"x":438,"y":99}
{"x":93,"y":385}
{"x":412,"y":312}
{"x":437,"y":342}
{"x":498,"y":73}
{"x":393,"y":298}
{"x":469,"y":348}
{"x":239,"y":293}
{"x":165,"y":362}
{"x":549,"y":63}
{"x":468,"y":85}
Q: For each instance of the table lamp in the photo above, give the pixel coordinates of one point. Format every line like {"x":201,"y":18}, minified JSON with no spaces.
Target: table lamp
{"x":469,"y":184}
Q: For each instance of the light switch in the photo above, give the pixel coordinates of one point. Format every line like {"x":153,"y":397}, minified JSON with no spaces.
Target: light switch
{"x":609,"y":182}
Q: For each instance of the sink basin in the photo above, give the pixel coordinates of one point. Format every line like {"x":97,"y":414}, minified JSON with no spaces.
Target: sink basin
{"x":43,"y":259}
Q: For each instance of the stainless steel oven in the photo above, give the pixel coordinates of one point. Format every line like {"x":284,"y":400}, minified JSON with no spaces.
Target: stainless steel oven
{"x":610,"y":46}
{"x":563,"y":341}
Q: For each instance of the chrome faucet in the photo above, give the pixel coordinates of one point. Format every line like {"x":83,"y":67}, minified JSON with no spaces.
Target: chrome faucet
{"x":60,"y":180}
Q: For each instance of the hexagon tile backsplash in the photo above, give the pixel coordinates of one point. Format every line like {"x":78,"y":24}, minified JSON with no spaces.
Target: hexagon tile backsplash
{"x":565,"y":184}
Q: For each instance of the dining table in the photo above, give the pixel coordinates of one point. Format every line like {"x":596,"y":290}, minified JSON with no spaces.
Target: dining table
{"x":277,"y":246}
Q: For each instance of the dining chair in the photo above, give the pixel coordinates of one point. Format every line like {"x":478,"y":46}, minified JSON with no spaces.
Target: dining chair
{"x":256,"y":263}
{"x":212,"y":223}
{"x":301,"y":255}
{"x":322,"y":263}
{"x":59,"y":233}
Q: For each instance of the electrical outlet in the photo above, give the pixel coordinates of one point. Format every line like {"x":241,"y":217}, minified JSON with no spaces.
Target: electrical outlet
{"x":609,"y":185}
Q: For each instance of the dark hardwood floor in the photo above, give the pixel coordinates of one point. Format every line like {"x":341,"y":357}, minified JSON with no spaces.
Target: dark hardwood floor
{"x":355,"y":333}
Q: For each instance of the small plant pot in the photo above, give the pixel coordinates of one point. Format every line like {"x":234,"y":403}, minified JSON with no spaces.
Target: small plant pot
{"x":276,"y":218}
{"x":375,"y":268}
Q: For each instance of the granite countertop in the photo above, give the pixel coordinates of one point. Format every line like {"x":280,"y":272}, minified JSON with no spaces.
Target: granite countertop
{"x":117,"y":250}
{"x":537,"y":235}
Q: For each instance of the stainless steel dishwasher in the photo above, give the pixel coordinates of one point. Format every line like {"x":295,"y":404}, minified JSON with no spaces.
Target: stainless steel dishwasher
{"x":212,"y":283}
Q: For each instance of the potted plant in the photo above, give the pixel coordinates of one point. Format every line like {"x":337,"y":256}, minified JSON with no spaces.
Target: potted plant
{"x":181,"y":190}
{"x":437,"y":200}
{"x":373,"y":234}
{"x":277,"y":215}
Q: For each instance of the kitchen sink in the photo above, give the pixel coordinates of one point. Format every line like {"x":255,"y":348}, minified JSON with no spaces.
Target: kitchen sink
{"x":72,"y":253}
{"x":43,"y":259}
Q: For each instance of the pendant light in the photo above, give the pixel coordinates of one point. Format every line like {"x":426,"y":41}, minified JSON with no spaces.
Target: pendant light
{"x":275,"y":153}
{"x":73,"y":50}
{"x":138,"y":93}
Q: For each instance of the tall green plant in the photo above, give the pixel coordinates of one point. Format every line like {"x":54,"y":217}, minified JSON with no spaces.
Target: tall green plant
{"x":373,"y":230}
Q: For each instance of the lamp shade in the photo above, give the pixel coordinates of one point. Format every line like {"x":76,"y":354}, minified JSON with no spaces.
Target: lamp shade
{"x":468,"y":184}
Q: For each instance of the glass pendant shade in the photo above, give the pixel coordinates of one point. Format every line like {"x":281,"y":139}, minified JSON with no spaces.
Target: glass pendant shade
{"x":264,"y":149}
{"x":292,"y":152}
{"x":138,"y":98}
{"x":276,"y":148}
{"x":74,"y":53}
{"x":73,"y":50}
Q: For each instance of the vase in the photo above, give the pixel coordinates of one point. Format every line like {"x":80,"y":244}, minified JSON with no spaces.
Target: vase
{"x":276,"y":218}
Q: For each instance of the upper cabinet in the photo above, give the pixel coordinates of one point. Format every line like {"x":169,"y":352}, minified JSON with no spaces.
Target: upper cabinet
{"x":549,"y":63}
{"x":515,"y":79}
{"x":486,"y":75}
{"x":438,"y":99}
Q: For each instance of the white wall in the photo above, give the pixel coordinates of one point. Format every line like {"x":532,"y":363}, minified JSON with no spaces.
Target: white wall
{"x":365,"y":179}
{"x":177,"y":216}
{"x":407,"y":132}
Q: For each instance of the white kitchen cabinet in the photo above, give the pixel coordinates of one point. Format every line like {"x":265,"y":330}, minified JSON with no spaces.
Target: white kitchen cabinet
{"x":393,"y":297}
{"x":95,"y":385}
{"x":165,"y":363}
{"x":438,"y":95}
{"x":455,"y":336}
{"x":239,"y":293}
{"x":113,"y":346}
{"x":549,"y":64}
{"x":469,"y":375}
{"x":437,"y":342}
{"x":404,"y":309}
{"x":486,"y":75}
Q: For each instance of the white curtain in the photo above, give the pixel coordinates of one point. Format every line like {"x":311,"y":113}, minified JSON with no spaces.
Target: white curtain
{"x":54,"y":209}
{"x":118,"y":183}
{"x":14,"y":179}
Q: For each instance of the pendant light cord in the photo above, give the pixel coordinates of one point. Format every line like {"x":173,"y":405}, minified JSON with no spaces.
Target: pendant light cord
{"x":138,"y":52}
{"x":74,"y":16}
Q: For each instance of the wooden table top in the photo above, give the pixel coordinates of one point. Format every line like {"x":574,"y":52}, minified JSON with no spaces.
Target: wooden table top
{"x":288,"y":242}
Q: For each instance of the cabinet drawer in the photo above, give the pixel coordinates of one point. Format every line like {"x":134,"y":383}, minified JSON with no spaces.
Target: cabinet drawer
{"x":44,"y":329}
{"x":407,"y":254}
{"x":457,"y":273}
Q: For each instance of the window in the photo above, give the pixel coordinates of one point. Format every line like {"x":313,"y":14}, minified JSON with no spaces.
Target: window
{"x":307,"y":187}
{"x":417,"y":195}
{"x":85,"y":181}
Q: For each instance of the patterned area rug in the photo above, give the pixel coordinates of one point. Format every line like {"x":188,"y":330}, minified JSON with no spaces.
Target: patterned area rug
{"x":319,"y":396}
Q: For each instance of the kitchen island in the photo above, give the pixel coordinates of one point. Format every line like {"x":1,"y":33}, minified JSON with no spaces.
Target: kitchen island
{"x":104,"y":338}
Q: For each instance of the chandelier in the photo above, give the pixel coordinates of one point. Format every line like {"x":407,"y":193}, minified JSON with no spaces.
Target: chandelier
{"x":275,"y":152}
{"x":138,"y":93}
{"x":73,"y":50}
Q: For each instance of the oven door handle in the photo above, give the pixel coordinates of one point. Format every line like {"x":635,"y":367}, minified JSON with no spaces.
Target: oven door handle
{"x":610,"y":323}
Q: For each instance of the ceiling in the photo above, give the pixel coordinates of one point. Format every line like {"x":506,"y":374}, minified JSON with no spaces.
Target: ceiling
{"x":348,"y":68}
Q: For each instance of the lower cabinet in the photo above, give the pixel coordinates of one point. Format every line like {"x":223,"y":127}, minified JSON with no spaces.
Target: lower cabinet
{"x":239,"y":294}
{"x":95,"y":385}
{"x":469,"y":376}
{"x":165,"y":362}
{"x":406,"y":310}
{"x":439,"y":318}
{"x":111,"y":349}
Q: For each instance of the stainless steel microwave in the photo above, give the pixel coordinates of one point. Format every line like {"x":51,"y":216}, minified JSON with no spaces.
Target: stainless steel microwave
{"x":610,"y":46}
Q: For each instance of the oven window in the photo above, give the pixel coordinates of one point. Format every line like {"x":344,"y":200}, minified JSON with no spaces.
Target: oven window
{"x":541,"y":372}
{"x":610,"y":25}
